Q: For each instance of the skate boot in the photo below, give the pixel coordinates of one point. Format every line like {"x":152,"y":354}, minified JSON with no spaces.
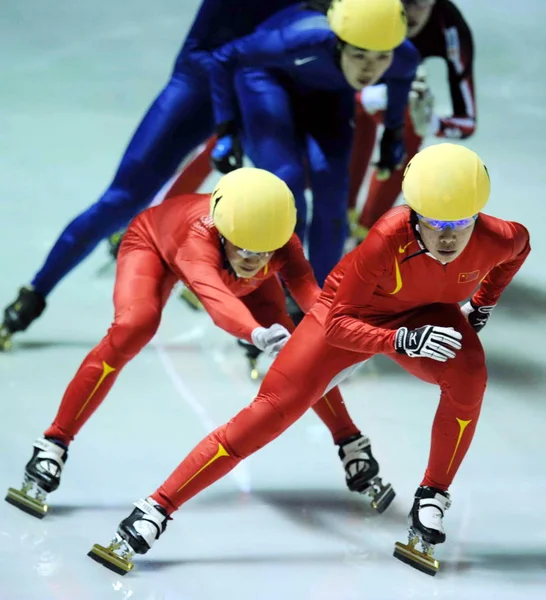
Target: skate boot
{"x":191,"y":299}
{"x":361,"y":472}
{"x":42,"y":476}
{"x":114,"y":242}
{"x":28,"y":306}
{"x":252,"y":353}
{"x":135,"y":535}
{"x":426,"y":529}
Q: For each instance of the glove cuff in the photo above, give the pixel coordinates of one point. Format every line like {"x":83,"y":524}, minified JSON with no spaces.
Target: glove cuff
{"x":399,"y":339}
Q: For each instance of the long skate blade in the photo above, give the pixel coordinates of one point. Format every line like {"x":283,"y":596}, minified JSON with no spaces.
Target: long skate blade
{"x":108,"y":559}
{"x":418,"y":560}
{"x":5,"y":340}
{"x":191,"y":300}
{"x":26,"y":504}
{"x":383,"y":500}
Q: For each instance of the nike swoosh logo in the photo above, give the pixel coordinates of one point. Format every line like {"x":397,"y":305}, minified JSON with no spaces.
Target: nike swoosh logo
{"x":402,"y":249}
{"x":302,"y":61}
{"x":398,"y":278}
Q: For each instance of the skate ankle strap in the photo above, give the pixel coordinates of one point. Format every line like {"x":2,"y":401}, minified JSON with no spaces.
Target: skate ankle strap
{"x":50,"y":451}
{"x":152,"y":513}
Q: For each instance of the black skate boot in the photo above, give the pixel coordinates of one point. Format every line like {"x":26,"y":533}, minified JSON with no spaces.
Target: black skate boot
{"x":42,"y":476}
{"x":191,"y":299}
{"x":135,"y":535}
{"x":252,"y":353}
{"x":425,"y":528}
{"x":114,"y":242}
{"x":361,"y":472}
{"x":20,"y":314}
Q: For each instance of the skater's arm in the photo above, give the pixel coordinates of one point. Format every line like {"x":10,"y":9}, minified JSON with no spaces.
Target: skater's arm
{"x":298,"y":275}
{"x":498,"y":278}
{"x":264,"y":48}
{"x":346,"y":325}
{"x":460,"y":60}
{"x":398,"y":79}
{"x":202,"y":275}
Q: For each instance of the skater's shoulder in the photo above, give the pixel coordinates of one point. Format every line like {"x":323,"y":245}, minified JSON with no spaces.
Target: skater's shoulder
{"x":499,"y":231}
{"x":394,"y":222}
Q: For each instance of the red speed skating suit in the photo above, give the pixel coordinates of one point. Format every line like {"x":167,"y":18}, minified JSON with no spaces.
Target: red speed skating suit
{"x":174,"y":241}
{"x":446,"y":35}
{"x":385,"y":283}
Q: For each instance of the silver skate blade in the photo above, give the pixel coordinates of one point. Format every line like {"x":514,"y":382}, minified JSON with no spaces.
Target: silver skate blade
{"x":5,"y":340}
{"x":109,"y":559}
{"x":26,"y":504}
{"x":191,"y":300}
{"x":383,"y":500}
{"x":254,"y":373}
{"x":418,"y":560}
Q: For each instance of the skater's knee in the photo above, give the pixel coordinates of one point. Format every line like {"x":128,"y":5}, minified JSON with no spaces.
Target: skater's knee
{"x":467,"y":377}
{"x":255,"y":426}
{"x":134,"y":328}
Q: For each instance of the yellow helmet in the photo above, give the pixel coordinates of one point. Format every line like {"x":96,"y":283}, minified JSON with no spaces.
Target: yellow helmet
{"x":378,"y":25}
{"x":253,"y":209}
{"x":446,"y":182}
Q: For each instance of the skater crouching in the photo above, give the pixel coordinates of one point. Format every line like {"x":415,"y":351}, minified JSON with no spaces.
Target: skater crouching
{"x":229,"y":248}
{"x":398,"y":294}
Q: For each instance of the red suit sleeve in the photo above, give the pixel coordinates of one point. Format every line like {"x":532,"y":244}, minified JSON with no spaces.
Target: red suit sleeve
{"x":346,"y":325}
{"x":500,"y":276}
{"x":298,"y":275}
{"x":197,"y":264}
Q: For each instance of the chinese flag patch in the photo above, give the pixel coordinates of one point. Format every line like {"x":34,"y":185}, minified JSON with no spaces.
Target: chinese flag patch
{"x":467,"y":277}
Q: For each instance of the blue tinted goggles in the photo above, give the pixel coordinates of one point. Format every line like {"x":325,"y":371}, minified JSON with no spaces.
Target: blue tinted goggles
{"x":437,"y":225}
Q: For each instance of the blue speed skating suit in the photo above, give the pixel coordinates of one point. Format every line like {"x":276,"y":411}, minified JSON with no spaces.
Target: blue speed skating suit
{"x":296,"y":115}
{"x":179,"y":119}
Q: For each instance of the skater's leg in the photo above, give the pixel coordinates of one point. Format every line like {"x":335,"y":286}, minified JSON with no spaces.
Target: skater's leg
{"x":328,"y":153}
{"x":363,"y":145}
{"x":462,"y":382}
{"x":383,"y":194}
{"x":270,"y":138}
{"x":268,"y":306}
{"x":290,"y":387}
{"x":141,"y":289}
{"x":194,"y":173}
{"x":178,"y":120}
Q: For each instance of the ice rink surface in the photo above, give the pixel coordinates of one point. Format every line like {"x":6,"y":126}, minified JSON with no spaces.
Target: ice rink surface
{"x":76,"y":78}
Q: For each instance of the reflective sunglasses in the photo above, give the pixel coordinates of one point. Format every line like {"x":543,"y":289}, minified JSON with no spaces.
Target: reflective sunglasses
{"x":437,"y":225}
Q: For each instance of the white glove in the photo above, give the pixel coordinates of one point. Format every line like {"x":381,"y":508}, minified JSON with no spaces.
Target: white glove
{"x":270,"y":340}
{"x":438,"y":343}
{"x":374,"y":98}
{"x":421,"y":104}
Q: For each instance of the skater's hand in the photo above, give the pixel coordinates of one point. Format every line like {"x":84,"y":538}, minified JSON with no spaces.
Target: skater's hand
{"x":227,"y":154}
{"x":270,"y":340}
{"x":477,"y":316}
{"x":373,"y":98}
{"x":392,"y":153}
{"x":438,"y":343}
{"x":421,"y":104}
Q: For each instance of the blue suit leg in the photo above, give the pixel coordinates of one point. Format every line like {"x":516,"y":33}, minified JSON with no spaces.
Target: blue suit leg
{"x":179,"y":119}
{"x":270,"y":137}
{"x":329,"y":142}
